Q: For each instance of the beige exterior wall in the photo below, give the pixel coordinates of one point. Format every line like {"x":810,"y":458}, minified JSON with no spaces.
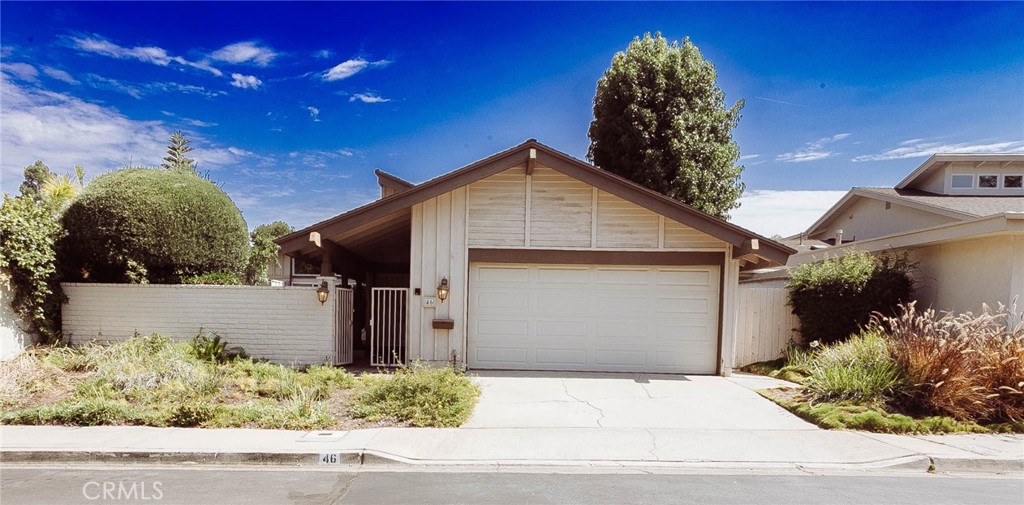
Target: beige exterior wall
{"x":283,"y":324}
{"x":545,"y":210}
{"x":962,"y":275}
{"x":868,"y":218}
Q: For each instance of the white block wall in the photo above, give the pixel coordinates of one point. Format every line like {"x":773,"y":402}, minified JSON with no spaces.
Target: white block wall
{"x":283,"y":324}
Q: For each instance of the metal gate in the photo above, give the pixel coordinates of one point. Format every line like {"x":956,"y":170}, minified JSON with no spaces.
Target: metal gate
{"x":343,"y":328}
{"x":388,"y":325}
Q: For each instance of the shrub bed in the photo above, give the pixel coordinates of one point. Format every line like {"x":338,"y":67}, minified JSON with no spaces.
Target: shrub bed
{"x":913,"y":372}
{"x":419,"y":394}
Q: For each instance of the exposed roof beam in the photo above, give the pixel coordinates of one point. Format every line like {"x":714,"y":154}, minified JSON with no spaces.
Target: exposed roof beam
{"x":342,"y":260}
{"x":531,"y":162}
{"x":747,"y":251}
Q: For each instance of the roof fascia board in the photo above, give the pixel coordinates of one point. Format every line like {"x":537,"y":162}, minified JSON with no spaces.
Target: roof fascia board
{"x":1009,"y":222}
{"x":906,"y":202}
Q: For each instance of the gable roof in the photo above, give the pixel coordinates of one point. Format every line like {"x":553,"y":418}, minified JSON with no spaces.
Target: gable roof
{"x":937,"y":162}
{"x":386,"y":180}
{"x":561,"y":162}
{"x":956,"y":207}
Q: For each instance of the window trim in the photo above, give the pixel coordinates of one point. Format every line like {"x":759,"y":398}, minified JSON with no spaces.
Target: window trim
{"x":1002,"y":181}
{"x":952,"y":181}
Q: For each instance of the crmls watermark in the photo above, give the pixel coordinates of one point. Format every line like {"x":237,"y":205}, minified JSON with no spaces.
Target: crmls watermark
{"x":121,"y":490}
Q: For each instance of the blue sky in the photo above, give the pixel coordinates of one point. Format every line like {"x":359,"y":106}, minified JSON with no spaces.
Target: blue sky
{"x":291,"y":106}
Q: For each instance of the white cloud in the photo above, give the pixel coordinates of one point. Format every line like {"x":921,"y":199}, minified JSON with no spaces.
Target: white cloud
{"x":314,"y":113}
{"x":198,"y":123}
{"x":22,"y":71}
{"x":920,"y":148}
{"x":63,"y":130}
{"x":749,"y":157}
{"x":245,"y":81}
{"x":345,"y":152}
{"x":244,"y":52}
{"x":167,"y":113}
{"x":813,"y":151}
{"x":136,"y":90}
{"x":147,"y":54}
{"x":323,"y":54}
{"x":348,"y":68}
{"x":100,"y":82}
{"x":237,"y":151}
{"x":785,"y":212}
{"x":60,"y":75}
{"x":368,"y":98}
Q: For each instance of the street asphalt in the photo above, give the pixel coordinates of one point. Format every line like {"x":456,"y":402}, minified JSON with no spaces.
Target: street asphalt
{"x":225,"y":485}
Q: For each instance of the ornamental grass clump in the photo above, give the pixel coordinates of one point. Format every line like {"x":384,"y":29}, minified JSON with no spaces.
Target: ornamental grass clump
{"x":859,"y":370}
{"x":969,"y":367}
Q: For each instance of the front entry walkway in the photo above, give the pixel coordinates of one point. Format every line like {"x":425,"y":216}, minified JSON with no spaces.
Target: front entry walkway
{"x":620,"y":400}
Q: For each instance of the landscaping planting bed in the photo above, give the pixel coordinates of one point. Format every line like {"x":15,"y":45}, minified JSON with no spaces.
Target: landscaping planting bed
{"x":149,"y":380}
{"x":914,"y":373}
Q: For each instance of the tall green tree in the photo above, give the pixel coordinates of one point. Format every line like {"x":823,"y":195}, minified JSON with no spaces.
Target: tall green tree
{"x":177,"y":151}
{"x":660,"y":120}
{"x":36,"y":175}
{"x":263,"y":250}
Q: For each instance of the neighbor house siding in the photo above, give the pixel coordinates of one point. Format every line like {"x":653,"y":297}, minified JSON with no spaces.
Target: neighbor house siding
{"x":283,"y":324}
{"x":962,"y":275}
{"x":868,"y":218}
{"x":511,"y":210}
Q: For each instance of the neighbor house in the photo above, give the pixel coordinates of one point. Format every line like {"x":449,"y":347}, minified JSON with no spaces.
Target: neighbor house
{"x":533,"y":260}
{"x":959,"y":216}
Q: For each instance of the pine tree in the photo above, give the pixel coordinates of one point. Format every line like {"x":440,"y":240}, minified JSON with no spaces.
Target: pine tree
{"x":660,"y":120}
{"x":176,"y":155}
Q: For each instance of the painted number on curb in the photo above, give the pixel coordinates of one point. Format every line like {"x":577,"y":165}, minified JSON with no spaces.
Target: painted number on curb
{"x":330,"y":458}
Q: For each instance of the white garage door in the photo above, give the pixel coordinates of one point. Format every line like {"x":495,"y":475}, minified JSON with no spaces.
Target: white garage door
{"x":593,"y":318}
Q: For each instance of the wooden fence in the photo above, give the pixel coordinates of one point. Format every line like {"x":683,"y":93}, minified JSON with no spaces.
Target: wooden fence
{"x":765,"y":324}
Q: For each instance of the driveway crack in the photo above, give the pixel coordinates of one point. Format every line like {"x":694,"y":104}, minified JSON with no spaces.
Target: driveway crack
{"x":654,"y":444}
{"x":565,"y":387}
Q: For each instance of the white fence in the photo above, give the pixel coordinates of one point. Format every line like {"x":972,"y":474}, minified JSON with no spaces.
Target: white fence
{"x":765,"y":324}
{"x":283,"y":324}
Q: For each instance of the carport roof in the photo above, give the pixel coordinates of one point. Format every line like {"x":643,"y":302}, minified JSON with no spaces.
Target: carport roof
{"x":396,"y":208}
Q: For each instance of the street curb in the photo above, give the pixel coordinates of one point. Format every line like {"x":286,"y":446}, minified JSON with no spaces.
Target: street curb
{"x":371,"y":459}
{"x":176,"y":457}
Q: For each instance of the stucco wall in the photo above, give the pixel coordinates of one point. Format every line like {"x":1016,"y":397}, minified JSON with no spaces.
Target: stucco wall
{"x":962,"y":275}
{"x":283,"y":324}
{"x":868,"y":218}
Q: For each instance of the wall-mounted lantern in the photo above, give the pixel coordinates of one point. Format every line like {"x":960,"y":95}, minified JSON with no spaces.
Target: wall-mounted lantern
{"x":322,"y":292}
{"x":442,"y":289}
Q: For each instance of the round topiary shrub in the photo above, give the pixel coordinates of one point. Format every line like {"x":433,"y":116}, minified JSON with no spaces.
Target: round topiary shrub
{"x":150,"y":225}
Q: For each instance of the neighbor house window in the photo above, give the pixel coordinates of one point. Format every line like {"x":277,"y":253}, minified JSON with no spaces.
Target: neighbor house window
{"x":988,"y":181}
{"x":963,"y":181}
{"x":1012,"y":181}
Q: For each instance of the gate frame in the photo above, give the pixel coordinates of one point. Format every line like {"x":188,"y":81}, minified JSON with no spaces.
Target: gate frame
{"x":397,"y":319}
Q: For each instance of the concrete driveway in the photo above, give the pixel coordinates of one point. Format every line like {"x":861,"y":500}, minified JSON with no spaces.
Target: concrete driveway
{"x":619,"y":400}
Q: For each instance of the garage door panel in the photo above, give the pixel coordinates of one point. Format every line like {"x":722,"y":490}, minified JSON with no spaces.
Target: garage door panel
{"x":571,"y":328}
{"x":593,"y":318}
{"x":561,"y":357}
{"x":506,"y":300}
{"x":563,"y":275}
{"x":501,"y":357}
{"x":623,"y":304}
{"x":689,"y":278}
{"x":666,"y":305}
{"x":501,"y":328}
{"x":520,"y":275}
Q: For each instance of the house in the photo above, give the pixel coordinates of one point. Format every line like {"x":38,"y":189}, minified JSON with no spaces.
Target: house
{"x":959,"y":216}
{"x":533,"y":260}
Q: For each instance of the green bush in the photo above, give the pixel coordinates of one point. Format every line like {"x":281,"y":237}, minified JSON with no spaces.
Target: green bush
{"x":858,"y":370}
{"x":214,"y":279}
{"x":189,"y":414}
{"x":424,"y":396}
{"x":29,"y":231}
{"x":148,"y":225}
{"x":836,"y":297}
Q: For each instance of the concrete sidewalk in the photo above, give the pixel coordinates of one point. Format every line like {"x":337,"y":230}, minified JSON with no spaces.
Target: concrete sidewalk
{"x":593,"y":447}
